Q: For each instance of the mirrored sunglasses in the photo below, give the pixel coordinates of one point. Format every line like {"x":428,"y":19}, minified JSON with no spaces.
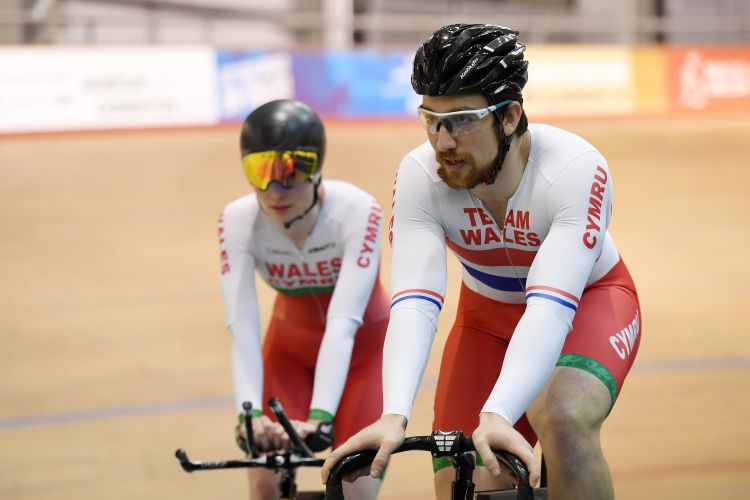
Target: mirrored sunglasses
{"x":285,"y":167}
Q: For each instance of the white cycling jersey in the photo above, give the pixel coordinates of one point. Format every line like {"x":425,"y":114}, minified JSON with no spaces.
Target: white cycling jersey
{"x":341,"y":255}
{"x":552,"y":243}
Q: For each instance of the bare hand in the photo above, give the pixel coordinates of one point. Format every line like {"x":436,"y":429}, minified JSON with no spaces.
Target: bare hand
{"x":385,"y":435}
{"x":263,"y":435}
{"x":494,"y":432}
{"x":303,"y":428}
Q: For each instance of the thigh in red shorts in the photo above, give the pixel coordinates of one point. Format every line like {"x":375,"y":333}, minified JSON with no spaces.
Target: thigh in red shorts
{"x":290,"y":352}
{"x":606,"y":330}
{"x":603,"y":341}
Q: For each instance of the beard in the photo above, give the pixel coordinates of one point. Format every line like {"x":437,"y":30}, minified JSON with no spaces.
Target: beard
{"x":469,"y":177}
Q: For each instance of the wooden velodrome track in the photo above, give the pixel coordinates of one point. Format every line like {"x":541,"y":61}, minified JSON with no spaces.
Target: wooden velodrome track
{"x":114,"y":353}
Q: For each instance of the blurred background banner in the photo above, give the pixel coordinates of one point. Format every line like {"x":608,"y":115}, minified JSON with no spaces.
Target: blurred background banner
{"x":84,"y":88}
{"x":715,"y":78}
{"x":570,"y":80}
{"x":356,"y":84}
{"x":248,"y":79}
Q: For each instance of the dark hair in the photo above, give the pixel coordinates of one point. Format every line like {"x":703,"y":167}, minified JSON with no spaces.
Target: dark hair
{"x":283,"y":125}
{"x":473,"y":59}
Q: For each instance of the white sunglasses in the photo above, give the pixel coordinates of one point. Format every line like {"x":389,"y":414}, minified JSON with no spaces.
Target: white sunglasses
{"x":456,"y":122}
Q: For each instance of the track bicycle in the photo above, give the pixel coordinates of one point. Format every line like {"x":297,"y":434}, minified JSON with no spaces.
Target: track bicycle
{"x":445,"y":444}
{"x":285,"y":463}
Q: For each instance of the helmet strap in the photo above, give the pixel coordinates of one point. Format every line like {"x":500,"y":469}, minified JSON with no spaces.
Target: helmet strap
{"x":289,"y":223}
{"x":505,"y":141}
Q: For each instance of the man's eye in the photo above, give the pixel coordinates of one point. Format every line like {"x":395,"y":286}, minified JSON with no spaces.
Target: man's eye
{"x":463,"y":119}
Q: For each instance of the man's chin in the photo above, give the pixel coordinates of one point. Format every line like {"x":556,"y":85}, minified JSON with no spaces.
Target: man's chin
{"x":461,"y":180}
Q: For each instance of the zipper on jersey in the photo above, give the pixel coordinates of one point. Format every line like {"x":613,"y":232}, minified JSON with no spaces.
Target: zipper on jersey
{"x":480,"y":205}
{"x":301,"y":262}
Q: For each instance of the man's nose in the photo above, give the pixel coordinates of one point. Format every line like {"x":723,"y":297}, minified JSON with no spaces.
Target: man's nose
{"x":445,"y":141}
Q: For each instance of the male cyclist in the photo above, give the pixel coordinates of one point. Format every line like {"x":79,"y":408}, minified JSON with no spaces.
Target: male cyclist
{"x":318,"y":245}
{"x":548,"y":320}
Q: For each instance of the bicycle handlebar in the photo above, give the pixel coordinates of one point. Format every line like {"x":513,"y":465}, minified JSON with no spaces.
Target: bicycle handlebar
{"x":463,"y":445}
{"x":300,"y":456}
{"x":275,"y":462}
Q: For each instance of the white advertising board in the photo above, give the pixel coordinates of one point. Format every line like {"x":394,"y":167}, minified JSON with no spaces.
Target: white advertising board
{"x":82,"y":88}
{"x":579,"y":81}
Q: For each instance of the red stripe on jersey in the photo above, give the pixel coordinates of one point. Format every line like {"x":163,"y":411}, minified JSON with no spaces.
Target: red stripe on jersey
{"x":494,"y":256}
{"x":556,"y":290}
{"x":418,"y":290}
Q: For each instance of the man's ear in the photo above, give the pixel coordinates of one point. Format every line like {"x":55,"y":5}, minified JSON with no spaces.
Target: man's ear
{"x":512,"y":117}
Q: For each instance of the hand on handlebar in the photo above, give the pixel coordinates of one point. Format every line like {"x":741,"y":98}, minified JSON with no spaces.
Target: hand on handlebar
{"x":270,"y":436}
{"x":264,"y":437}
{"x":384,"y":435}
{"x":305,"y":429}
{"x":494,"y":432}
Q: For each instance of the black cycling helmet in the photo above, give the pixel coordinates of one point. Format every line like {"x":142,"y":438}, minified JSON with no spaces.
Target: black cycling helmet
{"x":483,"y":59}
{"x":284,"y":125}
{"x":471,"y":59}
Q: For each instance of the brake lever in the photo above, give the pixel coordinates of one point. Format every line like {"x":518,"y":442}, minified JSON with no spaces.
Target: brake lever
{"x":300,"y":446}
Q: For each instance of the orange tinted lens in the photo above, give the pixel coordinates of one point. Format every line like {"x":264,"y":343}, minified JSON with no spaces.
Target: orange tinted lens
{"x":267,"y":166}
{"x":285,"y":167}
{"x":258,"y":168}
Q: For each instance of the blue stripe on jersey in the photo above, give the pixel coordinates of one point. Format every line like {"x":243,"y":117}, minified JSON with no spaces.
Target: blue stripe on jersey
{"x":423,"y":297}
{"x":498,"y":282}
{"x":554,"y":299}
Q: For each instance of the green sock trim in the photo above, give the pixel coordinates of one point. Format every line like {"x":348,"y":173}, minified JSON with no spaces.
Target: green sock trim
{"x":593,"y":367}
{"x":254,"y":413}
{"x":441,"y":463}
{"x":310,"y":290}
{"x":316,"y":414}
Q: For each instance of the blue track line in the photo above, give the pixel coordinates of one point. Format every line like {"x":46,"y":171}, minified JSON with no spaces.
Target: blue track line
{"x":134,"y":410}
{"x":645,"y":367}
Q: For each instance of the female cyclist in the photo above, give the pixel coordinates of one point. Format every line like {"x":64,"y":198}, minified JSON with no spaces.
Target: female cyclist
{"x":318,"y":245}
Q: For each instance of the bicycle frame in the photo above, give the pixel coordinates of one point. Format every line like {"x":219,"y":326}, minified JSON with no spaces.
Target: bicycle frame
{"x":439,"y":444}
